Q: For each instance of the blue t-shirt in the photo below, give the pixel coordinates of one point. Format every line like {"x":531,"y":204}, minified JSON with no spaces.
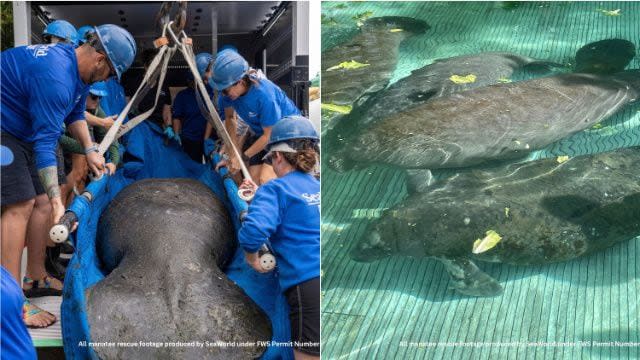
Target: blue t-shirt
{"x":263,"y":105}
{"x":286,"y":211}
{"x":185,"y":108}
{"x":15,"y":341}
{"x":41,"y":89}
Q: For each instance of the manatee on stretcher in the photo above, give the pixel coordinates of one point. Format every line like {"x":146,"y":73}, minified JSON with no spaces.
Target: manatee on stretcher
{"x":164,"y":244}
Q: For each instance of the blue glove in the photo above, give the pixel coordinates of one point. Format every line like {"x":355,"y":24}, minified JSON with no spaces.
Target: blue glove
{"x":169,"y":132}
{"x":209,"y":147}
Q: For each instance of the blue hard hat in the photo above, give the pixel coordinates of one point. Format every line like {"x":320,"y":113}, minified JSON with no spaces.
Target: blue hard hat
{"x":292,"y":127}
{"x":62,"y":29}
{"x":119,"y":46}
{"x":227,"y":47}
{"x":229,"y":68}
{"x":99,"y":89}
{"x":82,"y":32}
{"x":203,"y":60}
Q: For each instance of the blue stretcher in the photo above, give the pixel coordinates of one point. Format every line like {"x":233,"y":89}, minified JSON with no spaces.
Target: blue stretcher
{"x":146,"y":157}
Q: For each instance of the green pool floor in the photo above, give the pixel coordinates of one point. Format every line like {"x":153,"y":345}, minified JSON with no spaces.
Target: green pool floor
{"x":401,"y":308}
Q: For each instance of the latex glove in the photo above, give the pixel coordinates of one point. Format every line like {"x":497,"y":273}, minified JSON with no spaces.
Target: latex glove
{"x":209,"y":147}
{"x":168,"y":131}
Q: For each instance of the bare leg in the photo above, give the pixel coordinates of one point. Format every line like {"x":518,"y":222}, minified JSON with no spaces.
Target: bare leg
{"x":37,"y":238}
{"x":15,"y":218}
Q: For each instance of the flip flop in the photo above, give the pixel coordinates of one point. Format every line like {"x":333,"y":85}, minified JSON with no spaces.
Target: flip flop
{"x":40,"y":288}
{"x":29,"y":310}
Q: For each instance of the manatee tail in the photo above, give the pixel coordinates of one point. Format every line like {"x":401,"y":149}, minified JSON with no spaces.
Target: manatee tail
{"x":605,"y":56}
{"x":397,"y":24}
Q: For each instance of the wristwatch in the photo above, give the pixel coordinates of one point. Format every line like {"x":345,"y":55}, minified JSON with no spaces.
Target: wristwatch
{"x":90,"y":149}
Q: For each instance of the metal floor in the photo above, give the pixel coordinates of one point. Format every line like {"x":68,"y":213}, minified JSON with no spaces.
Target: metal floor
{"x":396,"y":308}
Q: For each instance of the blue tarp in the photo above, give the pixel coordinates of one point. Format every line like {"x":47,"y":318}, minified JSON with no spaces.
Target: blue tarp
{"x":147,"y":156}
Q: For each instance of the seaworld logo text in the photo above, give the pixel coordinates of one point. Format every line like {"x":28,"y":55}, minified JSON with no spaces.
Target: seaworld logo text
{"x":312,"y":199}
{"x":40,"y":50}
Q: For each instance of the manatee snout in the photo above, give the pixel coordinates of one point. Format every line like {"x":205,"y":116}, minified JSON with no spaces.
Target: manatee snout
{"x":370,"y":248}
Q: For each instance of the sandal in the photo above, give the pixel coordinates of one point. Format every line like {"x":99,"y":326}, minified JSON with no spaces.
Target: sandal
{"x":40,"y":288}
{"x":32,"y":313}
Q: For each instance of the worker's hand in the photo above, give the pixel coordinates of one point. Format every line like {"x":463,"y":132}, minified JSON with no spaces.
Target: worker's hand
{"x":96,"y":163}
{"x":234,"y":165}
{"x":253,"y":259}
{"x":108,"y":121}
{"x":111,"y":167}
{"x":221,"y":163}
{"x":57,"y":210}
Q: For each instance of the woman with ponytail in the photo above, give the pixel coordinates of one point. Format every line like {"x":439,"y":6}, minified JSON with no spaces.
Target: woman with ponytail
{"x":286,"y":213}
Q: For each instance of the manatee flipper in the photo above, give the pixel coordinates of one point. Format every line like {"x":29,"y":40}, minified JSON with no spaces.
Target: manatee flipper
{"x":468,"y":279}
{"x":419,"y":180}
{"x":605,"y":56}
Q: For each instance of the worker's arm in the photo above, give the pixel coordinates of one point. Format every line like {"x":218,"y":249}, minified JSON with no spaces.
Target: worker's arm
{"x":260,"y":144}
{"x":166,"y":115}
{"x":93,"y":120}
{"x":177,"y":125}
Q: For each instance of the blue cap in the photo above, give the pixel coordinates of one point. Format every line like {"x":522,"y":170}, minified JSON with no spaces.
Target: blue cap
{"x":119,"y":46}
{"x":99,"y":89}
{"x":82,"y":33}
{"x":203,"y":60}
{"x":229,"y":68}
{"x":62,"y":29}
{"x":292,"y":127}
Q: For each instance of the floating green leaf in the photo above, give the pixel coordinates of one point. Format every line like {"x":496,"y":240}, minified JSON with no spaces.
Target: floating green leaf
{"x":459,"y":79}
{"x":487,"y":243}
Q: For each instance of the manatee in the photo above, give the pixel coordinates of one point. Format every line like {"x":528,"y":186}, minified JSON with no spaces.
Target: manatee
{"x":496,"y":122}
{"x":434,"y":81}
{"x":545,"y":211}
{"x":163,"y":244}
{"x":377,"y":45}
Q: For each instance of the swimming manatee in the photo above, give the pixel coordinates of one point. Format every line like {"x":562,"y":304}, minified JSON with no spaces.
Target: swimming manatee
{"x":407,"y":100}
{"x":539,"y":212}
{"x":375,"y":53}
{"x":163,"y":244}
{"x":496,"y":122}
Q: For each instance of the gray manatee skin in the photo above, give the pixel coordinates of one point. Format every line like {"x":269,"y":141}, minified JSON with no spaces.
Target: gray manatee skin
{"x":166,"y":242}
{"x":496,"y":122}
{"x":424,"y":84}
{"x":375,"y":45}
{"x":556,"y":212}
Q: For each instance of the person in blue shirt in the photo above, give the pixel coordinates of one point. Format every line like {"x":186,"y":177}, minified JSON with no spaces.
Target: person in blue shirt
{"x":44,"y":86}
{"x":286,"y":212}
{"x":188,"y":120}
{"x":15,"y":341}
{"x":258,"y":101}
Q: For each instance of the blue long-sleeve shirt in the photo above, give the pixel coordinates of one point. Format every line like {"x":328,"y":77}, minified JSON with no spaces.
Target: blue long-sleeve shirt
{"x":41,"y":89}
{"x":286,"y":211}
{"x":263,"y":105}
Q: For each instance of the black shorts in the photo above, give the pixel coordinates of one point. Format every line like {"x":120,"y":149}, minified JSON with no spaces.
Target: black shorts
{"x":304,"y":314}
{"x":257,"y":158}
{"x":195,"y":149}
{"x":20,"y":180}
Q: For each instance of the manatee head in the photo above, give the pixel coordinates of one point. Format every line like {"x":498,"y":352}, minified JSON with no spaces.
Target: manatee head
{"x":376,"y":243}
{"x":605,"y":57}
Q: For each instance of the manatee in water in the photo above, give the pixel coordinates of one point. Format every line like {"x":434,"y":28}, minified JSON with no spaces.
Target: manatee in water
{"x":163,"y":244}
{"x":409,"y":96}
{"x":496,"y":122}
{"x":544,"y":211}
{"x":376,"y":47}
